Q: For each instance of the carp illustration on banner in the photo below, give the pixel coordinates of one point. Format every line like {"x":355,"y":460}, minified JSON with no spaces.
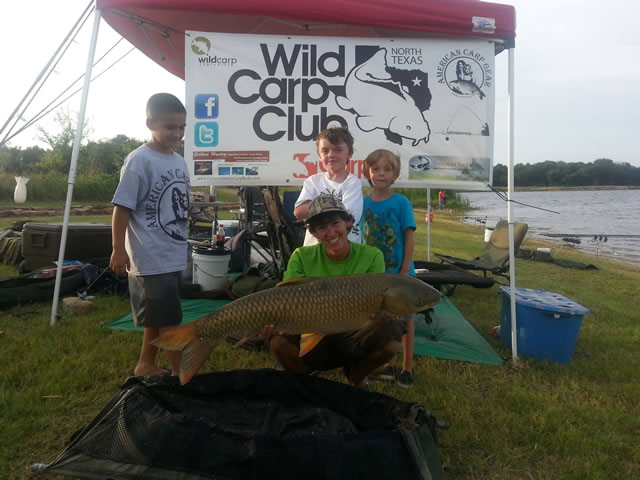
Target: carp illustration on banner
{"x":255,"y":104}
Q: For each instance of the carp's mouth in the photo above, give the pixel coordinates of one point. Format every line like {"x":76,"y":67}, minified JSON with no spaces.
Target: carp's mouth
{"x":418,"y":140}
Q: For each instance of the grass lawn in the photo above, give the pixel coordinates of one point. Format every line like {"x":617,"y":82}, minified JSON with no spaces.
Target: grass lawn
{"x":528,"y":420}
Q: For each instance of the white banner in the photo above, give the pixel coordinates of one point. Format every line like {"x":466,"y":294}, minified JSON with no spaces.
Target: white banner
{"x":255,"y":104}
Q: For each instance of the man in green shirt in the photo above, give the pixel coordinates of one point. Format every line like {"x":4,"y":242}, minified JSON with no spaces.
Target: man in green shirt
{"x":335,"y":255}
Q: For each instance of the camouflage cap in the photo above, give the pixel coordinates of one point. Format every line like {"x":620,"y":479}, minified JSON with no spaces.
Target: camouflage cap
{"x":325,"y":203}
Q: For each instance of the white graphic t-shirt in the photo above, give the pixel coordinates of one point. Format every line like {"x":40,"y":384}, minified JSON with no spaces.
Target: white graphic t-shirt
{"x":155,"y":187}
{"x":349,"y":192}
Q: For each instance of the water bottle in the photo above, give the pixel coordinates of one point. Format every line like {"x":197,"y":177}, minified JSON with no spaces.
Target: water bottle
{"x":220,"y":237}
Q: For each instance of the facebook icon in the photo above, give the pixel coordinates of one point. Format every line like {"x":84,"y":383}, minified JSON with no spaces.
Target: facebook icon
{"x":207,"y":105}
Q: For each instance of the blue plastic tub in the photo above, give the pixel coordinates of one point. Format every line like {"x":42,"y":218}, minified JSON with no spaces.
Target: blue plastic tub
{"x":548,"y":323}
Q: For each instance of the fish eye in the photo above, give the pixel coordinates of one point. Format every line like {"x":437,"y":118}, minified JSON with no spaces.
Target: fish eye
{"x":408,"y":127}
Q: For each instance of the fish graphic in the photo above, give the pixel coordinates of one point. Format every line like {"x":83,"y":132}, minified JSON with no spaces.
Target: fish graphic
{"x":379,"y":101}
{"x":466,"y":87}
{"x":322,"y":305}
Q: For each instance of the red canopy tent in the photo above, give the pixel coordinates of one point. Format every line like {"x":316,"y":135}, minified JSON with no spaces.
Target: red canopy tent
{"x":158,"y":29}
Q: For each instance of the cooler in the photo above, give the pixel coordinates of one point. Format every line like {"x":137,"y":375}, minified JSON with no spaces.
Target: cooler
{"x":86,"y":242}
{"x":548,"y":323}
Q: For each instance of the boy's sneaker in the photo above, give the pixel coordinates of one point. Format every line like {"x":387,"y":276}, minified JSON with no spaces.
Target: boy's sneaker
{"x":388,"y":374}
{"x":405,"y":379}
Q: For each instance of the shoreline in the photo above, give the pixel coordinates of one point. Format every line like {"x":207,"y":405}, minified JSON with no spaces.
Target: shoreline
{"x":556,"y":243}
{"x":620,"y":258}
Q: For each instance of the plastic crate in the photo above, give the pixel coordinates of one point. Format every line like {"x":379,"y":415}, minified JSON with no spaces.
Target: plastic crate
{"x":548,"y":323}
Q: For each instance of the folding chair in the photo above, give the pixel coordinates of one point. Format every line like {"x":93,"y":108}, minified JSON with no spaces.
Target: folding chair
{"x":495,"y":257}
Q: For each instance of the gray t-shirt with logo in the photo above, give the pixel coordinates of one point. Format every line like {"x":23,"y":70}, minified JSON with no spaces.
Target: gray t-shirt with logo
{"x":155,"y":187}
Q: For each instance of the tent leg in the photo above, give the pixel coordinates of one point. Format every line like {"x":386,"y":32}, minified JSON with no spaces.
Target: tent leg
{"x":512,"y":262}
{"x":74,"y":163}
{"x":428,"y":224}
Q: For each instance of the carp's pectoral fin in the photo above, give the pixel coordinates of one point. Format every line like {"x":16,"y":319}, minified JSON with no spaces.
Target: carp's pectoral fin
{"x":308,"y":341}
{"x":360,"y":336}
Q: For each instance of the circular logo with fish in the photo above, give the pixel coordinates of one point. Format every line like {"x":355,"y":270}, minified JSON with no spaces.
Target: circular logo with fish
{"x":200,"y":45}
{"x":419,"y":163}
{"x":465,"y":77}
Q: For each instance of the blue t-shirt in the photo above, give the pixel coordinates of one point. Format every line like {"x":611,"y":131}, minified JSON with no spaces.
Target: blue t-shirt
{"x":383,"y":226}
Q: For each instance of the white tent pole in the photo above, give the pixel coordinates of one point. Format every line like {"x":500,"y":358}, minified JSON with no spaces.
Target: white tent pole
{"x":428,"y":224}
{"x":74,"y":163}
{"x":512,"y":253}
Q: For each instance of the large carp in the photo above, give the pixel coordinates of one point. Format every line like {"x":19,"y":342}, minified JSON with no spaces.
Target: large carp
{"x":321,"y":305}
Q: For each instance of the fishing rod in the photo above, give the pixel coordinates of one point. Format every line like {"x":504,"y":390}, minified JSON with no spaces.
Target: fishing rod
{"x":502,"y":195}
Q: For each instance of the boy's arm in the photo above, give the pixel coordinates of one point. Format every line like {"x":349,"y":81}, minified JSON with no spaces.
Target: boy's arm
{"x":352,"y":199}
{"x":409,"y":244}
{"x":301,"y":212}
{"x":119,"y":262}
{"x":308,"y":193}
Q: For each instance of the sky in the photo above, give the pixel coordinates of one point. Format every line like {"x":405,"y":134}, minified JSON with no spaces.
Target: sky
{"x":575,"y":95}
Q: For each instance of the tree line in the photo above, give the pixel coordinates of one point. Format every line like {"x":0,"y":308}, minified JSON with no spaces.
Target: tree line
{"x":600,"y":172}
{"x":105,"y":158}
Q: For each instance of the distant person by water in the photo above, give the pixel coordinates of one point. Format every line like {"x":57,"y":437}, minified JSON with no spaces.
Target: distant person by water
{"x":442,"y":199}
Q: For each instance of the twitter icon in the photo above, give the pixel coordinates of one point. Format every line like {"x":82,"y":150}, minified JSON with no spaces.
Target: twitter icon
{"x":206,"y":134}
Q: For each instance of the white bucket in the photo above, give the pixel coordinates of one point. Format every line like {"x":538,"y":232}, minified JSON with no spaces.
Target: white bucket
{"x":487,"y":234}
{"x":210,"y":271}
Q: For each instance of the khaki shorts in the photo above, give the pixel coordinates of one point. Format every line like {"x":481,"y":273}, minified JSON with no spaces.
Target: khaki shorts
{"x":155,"y":300}
{"x":342,"y":349}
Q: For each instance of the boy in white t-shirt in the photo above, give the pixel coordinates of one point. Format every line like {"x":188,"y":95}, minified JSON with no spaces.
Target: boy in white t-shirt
{"x":335,"y":148}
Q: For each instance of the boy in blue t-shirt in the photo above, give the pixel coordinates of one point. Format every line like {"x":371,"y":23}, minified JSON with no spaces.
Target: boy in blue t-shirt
{"x":389,"y":225}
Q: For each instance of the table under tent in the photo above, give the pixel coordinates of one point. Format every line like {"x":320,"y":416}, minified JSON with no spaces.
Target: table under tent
{"x":312,"y":421}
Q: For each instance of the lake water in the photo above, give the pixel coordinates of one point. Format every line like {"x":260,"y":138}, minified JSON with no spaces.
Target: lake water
{"x":605,"y":222}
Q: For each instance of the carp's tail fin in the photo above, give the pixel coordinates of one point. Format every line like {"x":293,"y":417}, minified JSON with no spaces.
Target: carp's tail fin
{"x":194,"y":350}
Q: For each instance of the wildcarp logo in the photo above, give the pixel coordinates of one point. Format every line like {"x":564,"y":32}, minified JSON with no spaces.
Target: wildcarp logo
{"x":388,"y":98}
{"x":465,"y":72}
{"x":200,"y":45}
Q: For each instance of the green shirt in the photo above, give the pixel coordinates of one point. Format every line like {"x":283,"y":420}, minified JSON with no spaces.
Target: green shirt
{"x":312,"y":261}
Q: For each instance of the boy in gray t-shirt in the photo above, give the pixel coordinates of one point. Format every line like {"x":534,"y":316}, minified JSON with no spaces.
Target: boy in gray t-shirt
{"x":149,"y":228}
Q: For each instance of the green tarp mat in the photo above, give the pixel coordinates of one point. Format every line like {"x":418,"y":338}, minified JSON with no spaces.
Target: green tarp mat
{"x":192,"y":309}
{"x":449,"y":335}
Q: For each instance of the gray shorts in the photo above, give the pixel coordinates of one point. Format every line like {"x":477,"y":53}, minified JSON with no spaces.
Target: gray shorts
{"x":342,"y":349}
{"x":155,"y":300}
